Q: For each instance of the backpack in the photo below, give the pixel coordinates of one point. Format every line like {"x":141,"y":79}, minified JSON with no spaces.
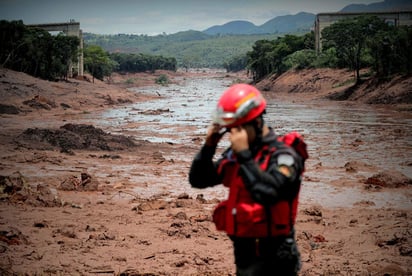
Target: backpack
{"x":295,"y":140}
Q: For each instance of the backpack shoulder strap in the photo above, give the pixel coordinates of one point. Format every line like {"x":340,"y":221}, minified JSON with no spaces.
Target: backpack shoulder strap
{"x":295,"y":140}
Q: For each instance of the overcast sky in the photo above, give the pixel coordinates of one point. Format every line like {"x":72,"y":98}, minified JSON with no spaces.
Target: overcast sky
{"x":154,"y":17}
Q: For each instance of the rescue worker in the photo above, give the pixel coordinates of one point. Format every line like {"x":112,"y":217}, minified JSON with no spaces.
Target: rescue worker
{"x":263,"y":176}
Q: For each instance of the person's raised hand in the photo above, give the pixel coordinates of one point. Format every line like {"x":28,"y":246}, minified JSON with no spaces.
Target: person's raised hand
{"x":213,"y":135}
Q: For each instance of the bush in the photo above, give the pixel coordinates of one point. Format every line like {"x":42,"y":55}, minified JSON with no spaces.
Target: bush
{"x":162,"y":80}
{"x":300,"y":59}
{"x":326,"y":59}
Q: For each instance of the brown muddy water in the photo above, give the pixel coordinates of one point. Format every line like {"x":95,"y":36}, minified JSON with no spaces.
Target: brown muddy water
{"x":337,"y":133}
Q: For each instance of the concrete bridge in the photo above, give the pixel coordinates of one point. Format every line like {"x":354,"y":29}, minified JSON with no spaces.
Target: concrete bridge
{"x":323,"y":20}
{"x":71,"y":28}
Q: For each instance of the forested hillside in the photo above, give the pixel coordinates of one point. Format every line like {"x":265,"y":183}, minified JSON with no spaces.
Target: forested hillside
{"x":190,"y":48}
{"x":298,"y":23}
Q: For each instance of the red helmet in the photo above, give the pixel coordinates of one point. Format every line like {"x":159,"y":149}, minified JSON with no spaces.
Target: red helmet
{"x":239,"y":104}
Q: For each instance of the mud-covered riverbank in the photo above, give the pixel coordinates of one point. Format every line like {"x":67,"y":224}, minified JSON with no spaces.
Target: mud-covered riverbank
{"x":94,"y":179}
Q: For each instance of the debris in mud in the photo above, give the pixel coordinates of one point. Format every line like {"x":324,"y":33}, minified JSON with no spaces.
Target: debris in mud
{"x":73,"y":136}
{"x":65,"y":106}
{"x":110,"y":101}
{"x":40,"y":102}
{"x":15,"y":188}
{"x":151,"y":205}
{"x":400,"y":240}
{"x":158,"y":157}
{"x":70,"y":184}
{"x":124,"y":101}
{"x":110,"y":156}
{"x":12,"y":236}
{"x":406,"y":250}
{"x":319,"y":238}
{"x":389,"y":179}
{"x":43,"y":196}
{"x":11,"y":184}
{"x":134,"y":272}
{"x":355,"y":166}
{"x":315,"y":211}
{"x":392,"y":269}
{"x":9,"y":109}
{"x":155,"y":112}
{"x":85,"y":183}
{"x":365,"y":203}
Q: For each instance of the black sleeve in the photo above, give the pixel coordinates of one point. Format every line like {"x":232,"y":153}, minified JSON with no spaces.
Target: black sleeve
{"x":268,"y":187}
{"x":203,"y":171}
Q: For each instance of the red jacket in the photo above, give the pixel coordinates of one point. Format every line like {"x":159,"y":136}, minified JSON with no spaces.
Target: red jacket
{"x":241,"y":216}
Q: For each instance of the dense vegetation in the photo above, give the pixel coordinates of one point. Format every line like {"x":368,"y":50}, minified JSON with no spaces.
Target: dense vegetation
{"x":35,"y":51}
{"x":100,"y":63}
{"x":40,"y":54}
{"x":269,"y":56}
{"x":367,"y":41}
{"x":142,"y":62}
{"x":191,"y":49}
{"x":97,"y":62}
{"x":364,"y":41}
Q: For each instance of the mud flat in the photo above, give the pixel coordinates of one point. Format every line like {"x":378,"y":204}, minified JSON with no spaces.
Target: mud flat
{"x":93,"y":178}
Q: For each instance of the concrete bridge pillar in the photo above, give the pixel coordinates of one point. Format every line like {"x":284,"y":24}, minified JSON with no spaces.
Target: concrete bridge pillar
{"x":71,"y":28}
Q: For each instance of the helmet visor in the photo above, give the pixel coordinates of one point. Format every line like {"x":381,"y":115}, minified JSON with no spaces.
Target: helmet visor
{"x":223,"y":118}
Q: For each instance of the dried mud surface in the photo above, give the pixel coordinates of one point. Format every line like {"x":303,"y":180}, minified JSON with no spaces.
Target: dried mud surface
{"x":69,"y":203}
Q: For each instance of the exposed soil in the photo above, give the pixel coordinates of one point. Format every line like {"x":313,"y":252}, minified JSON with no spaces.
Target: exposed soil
{"x":338,"y":84}
{"x":69,"y":204}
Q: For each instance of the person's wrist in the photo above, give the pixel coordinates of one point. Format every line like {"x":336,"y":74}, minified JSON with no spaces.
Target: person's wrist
{"x":209,"y":143}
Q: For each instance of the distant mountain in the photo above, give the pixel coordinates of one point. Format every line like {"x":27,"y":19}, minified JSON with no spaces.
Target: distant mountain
{"x":386,"y":5}
{"x":301,"y":22}
{"x":282,"y":24}
{"x":233,"y":27}
{"x":189,"y":36}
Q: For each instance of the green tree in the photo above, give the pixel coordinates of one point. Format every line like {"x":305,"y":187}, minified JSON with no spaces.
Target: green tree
{"x":36,"y":51}
{"x":97,"y":62}
{"x":326,"y":59}
{"x":258,"y":61}
{"x":236,"y":63}
{"x":268,"y":56}
{"x":142,"y":62}
{"x":309,"y":41}
{"x":390,"y":51}
{"x":403,"y":46}
{"x":189,"y":61}
{"x":301,"y":59}
{"x":12,"y":39}
{"x":65,"y":52}
{"x":349,"y":37}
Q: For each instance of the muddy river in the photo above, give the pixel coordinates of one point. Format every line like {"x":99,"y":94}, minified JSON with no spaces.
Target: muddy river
{"x":337,"y":133}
